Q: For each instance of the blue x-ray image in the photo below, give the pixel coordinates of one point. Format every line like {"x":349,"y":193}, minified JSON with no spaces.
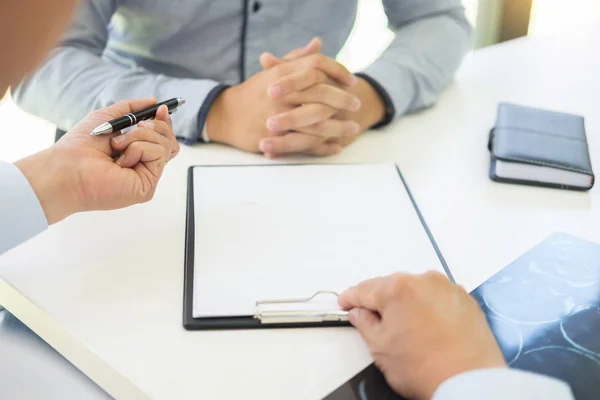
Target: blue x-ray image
{"x":544,"y":309}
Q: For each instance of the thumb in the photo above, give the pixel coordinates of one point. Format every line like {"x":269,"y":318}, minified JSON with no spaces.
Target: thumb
{"x":367,"y":323}
{"x":313,"y":47}
{"x":268,"y":60}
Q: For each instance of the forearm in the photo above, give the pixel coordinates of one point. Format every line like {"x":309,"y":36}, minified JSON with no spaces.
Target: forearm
{"x":53,"y":182}
{"x":422,"y":59}
{"x":21,"y":214}
{"x":74,"y":82}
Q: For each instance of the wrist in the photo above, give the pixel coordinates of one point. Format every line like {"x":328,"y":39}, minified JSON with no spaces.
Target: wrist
{"x":373,"y":109}
{"x":219,"y":121}
{"x":53,"y":183}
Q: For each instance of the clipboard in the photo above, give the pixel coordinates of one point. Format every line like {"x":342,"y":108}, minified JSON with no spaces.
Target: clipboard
{"x":298,"y":312}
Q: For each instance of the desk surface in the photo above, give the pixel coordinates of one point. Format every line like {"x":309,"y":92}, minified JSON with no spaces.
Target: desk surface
{"x":109,"y":299}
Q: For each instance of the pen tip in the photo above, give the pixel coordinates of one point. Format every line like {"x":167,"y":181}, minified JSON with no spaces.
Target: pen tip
{"x":102,"y":129}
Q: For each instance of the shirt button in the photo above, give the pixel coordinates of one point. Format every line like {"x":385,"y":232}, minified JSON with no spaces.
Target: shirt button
{"x":256,"y":7}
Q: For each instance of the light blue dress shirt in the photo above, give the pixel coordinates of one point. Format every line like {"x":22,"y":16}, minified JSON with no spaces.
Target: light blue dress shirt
{"x":502,"y":384}
{"x":21,"y":214}
{"x":118,"y":49}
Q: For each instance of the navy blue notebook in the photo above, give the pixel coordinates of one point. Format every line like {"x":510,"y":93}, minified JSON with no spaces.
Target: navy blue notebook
{"x":544,"y":309}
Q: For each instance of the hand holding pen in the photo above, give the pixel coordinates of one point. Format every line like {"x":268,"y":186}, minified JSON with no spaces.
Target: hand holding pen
{"x":83,"y":172}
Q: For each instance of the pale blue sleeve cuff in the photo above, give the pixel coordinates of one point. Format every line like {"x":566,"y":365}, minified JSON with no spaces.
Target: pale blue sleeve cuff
{"x":21,"y":214}
{"x":502,"y":384}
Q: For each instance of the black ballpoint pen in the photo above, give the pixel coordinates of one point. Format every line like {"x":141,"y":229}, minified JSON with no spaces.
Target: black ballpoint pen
{"x":132,"y":119}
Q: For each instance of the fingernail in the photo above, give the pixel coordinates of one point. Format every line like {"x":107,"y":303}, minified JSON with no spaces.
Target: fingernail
{"x":265,"y":146}
{"x":355,"y":128}
{"x":120,"y":159}
{"x":119,"y":139}
{"x":275,"y":90}
{"x":353,"y":80}
{"x":272,"y":124}
{"x":356,"y":104}
{"x":353,"y":315}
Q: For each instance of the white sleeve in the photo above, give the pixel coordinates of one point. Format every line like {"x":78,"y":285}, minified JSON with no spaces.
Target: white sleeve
{"x":21,"y":214}
{"x":502,"y":384}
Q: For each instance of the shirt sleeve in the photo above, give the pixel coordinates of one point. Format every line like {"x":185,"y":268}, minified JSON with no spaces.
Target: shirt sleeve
{"x":502,"y":384}
{"x":76,"y":80}
{"x":431,"y":38}
{"x":21,"y":214}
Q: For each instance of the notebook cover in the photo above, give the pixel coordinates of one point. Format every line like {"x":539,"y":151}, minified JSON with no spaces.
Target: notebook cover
{"x":540,"y":137}
{"x":544,"y":309}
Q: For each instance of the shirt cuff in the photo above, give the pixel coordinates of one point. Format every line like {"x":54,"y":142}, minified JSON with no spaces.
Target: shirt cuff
{"x":205,"y":138}
{"x":502,"y":384}
{"x":203,"y":114}
{"x":390,"y":110}
{"x":21,"y":214}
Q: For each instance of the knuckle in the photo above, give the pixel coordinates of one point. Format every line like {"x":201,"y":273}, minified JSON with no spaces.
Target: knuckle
{"x":317,"y":152}
{"x":286,"y":147}
{"x":161,"y":126}
{"x":279,"y":71}
{"x":327,"y":111}
{"x":149,"y":194}
{"x":321,"y":90}
{"x":320,"y":128}
{"x":287,"y":120}
{"x":322,"y":77}
{"x":434,"y":276}
{"x":349,"y":101}
{"x":287,"y":84}
{"x":280,"y":146}
{"x":399,"y":284}
{"x":296,"y":98}
{"x":347,"y":128}
{"x":312,"y":76}
{"x":372,"y":297}
{"x":135,"y":147}
{"x":130,"y":137}
{"x":317,"y":60}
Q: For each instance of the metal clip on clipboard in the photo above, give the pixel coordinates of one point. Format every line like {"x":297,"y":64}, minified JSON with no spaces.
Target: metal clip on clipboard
{"x":297,"y":316}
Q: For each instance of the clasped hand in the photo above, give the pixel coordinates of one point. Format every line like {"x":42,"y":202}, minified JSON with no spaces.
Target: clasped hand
{"x":301,"y":103}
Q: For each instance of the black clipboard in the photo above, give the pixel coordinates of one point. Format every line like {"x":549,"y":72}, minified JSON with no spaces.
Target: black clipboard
{"x":251,"y":322}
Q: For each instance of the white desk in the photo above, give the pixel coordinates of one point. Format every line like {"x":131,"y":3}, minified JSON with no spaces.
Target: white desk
{"x":109,"y":299}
